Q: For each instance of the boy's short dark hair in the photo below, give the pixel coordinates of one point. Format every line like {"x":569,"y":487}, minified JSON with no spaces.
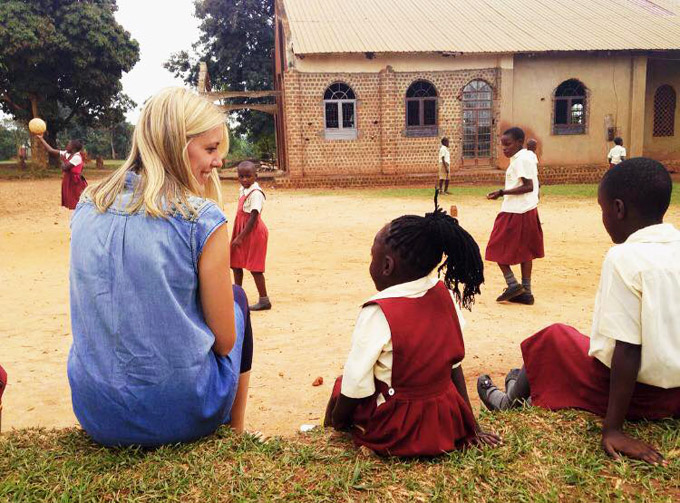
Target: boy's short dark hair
{"x":77,"y":145}
{"x":516,"y":133}
{"x":618,"y":141}
{"x":445,"y":140}
{"x":641,"y":183}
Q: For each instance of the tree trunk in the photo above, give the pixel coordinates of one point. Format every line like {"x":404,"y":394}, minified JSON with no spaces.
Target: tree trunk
{"x":38,"y":152}
{"x":113,"y":149}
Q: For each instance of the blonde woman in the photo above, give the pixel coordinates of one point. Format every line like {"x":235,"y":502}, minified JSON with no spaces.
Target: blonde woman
{"x":161,"y":352}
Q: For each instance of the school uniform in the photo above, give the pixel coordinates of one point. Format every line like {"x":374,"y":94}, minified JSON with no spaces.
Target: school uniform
{"x":406,"y":341}
{"x":636,"y":303}
{"x":252,"y":252}
{"x":72,"y":182}
{"x":616,"y":154}
{"x":517,"y":235}
{"x":444,"y":155}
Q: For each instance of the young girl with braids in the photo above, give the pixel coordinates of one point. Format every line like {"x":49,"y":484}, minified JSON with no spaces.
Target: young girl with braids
{"x":403,"y":390}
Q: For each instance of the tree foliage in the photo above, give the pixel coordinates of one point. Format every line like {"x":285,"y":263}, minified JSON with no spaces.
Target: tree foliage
{"x":237,"y":43}
{"x":62,"y":59}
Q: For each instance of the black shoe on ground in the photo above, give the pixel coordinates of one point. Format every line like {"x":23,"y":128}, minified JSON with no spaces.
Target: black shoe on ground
{"x":510,"y":293}
{"x":485,"y":388}
{"x":525,"y":298}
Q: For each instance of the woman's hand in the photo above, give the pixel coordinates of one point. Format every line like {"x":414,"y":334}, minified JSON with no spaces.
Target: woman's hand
{"x":483,"y":438}
{"x":615,"y":443}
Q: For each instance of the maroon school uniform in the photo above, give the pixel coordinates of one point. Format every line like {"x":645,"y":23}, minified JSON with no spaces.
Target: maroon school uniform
{"x":562,"y":375}
{"x":251,"y":254}
{"x":72,"y":182}
{"x":423,"y":413}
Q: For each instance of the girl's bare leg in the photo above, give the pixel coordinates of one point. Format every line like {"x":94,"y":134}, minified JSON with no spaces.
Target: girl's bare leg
{"x":238,"y":410}
{"x":238,"y":276}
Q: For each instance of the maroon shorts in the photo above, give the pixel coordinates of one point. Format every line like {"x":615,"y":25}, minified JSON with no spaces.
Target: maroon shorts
{"x":562,"y":375}
{"x":515,"y":238}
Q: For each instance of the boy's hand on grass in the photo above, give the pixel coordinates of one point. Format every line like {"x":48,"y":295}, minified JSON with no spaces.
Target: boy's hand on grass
{"x":484,"y":438}
{"x":615,"y":443}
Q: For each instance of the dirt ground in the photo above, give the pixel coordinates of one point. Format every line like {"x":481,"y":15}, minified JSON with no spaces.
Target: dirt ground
{"x":317,"y":277}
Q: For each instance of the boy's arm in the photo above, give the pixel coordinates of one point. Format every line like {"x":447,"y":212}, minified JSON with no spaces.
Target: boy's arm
{"x":624,"y":370}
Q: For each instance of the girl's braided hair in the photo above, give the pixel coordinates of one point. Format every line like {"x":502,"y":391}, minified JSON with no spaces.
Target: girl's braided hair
{"x":421,"y":241}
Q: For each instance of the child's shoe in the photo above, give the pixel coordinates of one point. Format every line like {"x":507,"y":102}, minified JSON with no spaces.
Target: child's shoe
{"x":525,"y":298}
{"x":490,"y":395}
{"x":262,"y":305}
{"x":511,"y":292}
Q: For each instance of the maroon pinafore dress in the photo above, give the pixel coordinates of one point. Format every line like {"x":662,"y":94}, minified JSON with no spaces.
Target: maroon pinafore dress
{"x":423,"y":413}
{"x":72,"y":183}
{"x":252,"y":252}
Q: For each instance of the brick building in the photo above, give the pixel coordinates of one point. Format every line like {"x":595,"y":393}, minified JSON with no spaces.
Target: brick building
{"x":369,"y":87}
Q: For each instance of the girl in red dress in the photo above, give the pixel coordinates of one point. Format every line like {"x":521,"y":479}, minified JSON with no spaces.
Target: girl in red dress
{"x":403,"y":391}
{"x":250,"y":235}
{"x":73,"y":182}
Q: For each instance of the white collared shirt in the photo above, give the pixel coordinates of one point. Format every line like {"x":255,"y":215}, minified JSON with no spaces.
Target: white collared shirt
{"x":638,"y":302}
{"x":616,"y":153}
{"x":255,"y":201}
{"x":75,"y":159}
{"x":522,"y":165}
{"x":444,"y":155}
{"x":371,"y":352}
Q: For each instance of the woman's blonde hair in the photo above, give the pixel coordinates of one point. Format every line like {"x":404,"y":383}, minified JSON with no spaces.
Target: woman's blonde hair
{"x":168,"y":123}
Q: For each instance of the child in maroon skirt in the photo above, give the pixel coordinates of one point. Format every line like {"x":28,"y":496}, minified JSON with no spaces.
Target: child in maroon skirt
{"x":73,"y":182}
{"x":250,"y":235}
{"x":629,"y":368}
{"x":3,"y":383}
{"x":517,"y":237}
{"x":403,"y":392}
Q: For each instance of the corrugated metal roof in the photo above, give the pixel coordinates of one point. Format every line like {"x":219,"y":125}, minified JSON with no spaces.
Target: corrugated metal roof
{"x":481,"y":26}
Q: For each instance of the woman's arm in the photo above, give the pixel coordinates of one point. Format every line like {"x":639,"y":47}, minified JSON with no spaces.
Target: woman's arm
{"x":624,"y":370}
{"x":48,"y":147}
{"x":250,"y":224}
{"x":217,"y":296}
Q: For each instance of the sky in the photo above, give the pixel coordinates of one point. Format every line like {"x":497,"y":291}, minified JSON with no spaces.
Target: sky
{"x":161,"y":27}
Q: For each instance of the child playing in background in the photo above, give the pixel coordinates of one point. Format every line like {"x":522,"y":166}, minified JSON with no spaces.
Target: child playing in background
{"x":403,"y":390}
{"x":532,"y":145}
{"x":250,"y":235}
{"x":618,"y":152}
{"x":517,"y":237}
{"x":444,"y":166}
{"x":630,"y":365}
{"x":73,"y":183}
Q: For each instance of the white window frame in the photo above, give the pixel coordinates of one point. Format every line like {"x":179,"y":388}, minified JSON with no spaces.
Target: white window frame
{"x":341,"y":132}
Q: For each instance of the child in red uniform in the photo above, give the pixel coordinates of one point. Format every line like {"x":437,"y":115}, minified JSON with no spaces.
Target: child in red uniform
{"x":517,"y":237}
{"x":249,"y":238}
{"x":73,"y":183}
{"x":630,"y":365}
{"x":3,"y":383}
{"x":403,"y":392}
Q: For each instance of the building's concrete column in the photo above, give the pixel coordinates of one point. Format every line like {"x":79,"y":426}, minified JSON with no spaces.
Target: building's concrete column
{"x":506,"y":67}
{"x":638,"y":92}
{"x":388,"y":117}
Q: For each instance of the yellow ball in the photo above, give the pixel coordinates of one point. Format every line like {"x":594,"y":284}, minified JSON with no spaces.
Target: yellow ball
{"x":37,"y":126}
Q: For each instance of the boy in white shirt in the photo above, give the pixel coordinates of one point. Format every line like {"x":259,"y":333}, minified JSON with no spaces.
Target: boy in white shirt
{"x":618,"y":153}
{"x":517,"y":236}
{"x":444,"y":166}
{"x":629,"y":368}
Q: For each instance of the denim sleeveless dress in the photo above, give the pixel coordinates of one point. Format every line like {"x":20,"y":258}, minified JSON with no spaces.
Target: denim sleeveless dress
{"x":141,"y":367}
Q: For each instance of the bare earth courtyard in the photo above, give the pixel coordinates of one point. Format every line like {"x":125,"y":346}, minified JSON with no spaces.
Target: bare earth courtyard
{"x":317,"y":274}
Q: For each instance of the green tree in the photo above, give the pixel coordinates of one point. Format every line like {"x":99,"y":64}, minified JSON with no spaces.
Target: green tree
{"x":61,"y":59}
{"x":12,"y":136}
{"x":237,"y":43}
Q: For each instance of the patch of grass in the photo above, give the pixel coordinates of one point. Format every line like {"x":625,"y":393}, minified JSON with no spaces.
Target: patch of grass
{"x":545,"y":457}
{"x":11,"y":171}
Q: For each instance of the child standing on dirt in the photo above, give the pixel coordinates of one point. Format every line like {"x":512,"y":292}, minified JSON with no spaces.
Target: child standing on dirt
{"x":629,"y":368}
{"x":250,"y":235}
{"x":444,"y":166}
{"x":618,"y":152}
{"x":403,"y":391}
{"x":517,"y":237}
{"x":73,"y":182}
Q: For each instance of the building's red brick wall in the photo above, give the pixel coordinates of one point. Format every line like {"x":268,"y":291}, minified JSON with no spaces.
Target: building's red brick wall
{"x":382,"y":146}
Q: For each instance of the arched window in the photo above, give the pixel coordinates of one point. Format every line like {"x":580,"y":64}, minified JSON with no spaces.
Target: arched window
{"x":664,"y":111}
{"x":340,"y":112}
{"x":421,"y":109}
{"x":570,"y":108}
{"x":477,"y":120}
